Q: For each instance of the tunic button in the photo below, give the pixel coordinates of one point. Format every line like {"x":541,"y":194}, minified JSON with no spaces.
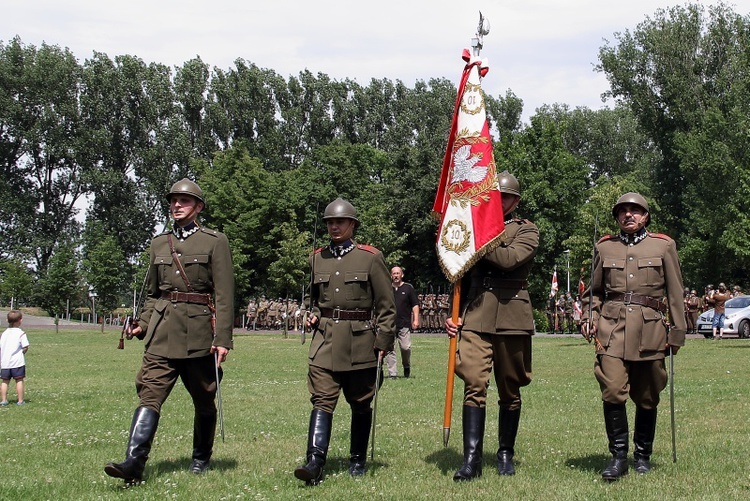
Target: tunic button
{"x":649,"y":262}
{"x":179,"y":254}
{"x":631,"y":275}
{"x":355,"y":278}
{"x":339,"y":258}
{"x":337,"y":273}
{"x":630,"y":258}
{"x":630,"y":309}
{"x":177,"y":272}
{"x":630,"y":245}
{"x":337,"y":289}
{"x":195,"y":260}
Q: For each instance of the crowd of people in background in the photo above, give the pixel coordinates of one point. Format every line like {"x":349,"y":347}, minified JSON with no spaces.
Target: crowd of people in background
{"x":275,"y":314}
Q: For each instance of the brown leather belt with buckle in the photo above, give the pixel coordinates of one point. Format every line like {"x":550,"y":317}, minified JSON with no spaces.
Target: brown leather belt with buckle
{"x":639,"y":299}
{"x":186,"y":297}
{"x":503,"y":283}
{"x":339,"y":314}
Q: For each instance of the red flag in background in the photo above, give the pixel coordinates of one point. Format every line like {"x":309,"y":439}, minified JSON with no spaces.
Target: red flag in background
{"x":581,"y":284}
{"x":468,"y":200}
{"x":553,"y":289}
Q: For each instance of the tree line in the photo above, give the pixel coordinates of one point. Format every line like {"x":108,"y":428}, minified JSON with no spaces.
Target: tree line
{"x":112,"y":135}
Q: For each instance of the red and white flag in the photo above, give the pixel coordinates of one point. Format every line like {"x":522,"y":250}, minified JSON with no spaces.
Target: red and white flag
{"x":468,"y":200}
{"x":553,"y":290}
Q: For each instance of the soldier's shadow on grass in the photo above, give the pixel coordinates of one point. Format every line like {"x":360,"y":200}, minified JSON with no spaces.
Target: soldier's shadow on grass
{"x":158,"y":468}
{"x":340,"y":465}
{"x":593,"y":463}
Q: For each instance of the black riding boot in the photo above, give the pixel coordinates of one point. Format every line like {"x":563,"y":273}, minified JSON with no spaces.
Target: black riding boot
{"x":142,"y":431}
{"x":643,"y":438}
{"x":204,"y":431}
{"x":361,"y":423}
{"x":509,"y":420}
{"x":473,"y":429}
{"x":616,"y":423}
{"x":318,"y":438}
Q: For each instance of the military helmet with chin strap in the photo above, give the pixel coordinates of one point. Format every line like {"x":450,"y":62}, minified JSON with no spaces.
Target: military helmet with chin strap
{"x":631,"y":198}
{"x":186,"y":187}
{"x":340,"y":208}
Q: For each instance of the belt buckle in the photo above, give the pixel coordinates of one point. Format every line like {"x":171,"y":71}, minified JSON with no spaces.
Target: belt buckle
{"x":336,"y":314}
{"x":627,"y":298}
{"x":173,"y":296}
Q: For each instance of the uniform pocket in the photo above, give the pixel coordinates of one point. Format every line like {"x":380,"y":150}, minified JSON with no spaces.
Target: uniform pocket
{"x":654,"y":332}
{"x":322,"y":281}
{"x":650,"y":268}
{"x":363,"y":343}
{"x":357,"y":285}
{"x":196,"y":269}
{"x":200,"y":335}
{"x":614,"y":273}
{"x":164,"y":267}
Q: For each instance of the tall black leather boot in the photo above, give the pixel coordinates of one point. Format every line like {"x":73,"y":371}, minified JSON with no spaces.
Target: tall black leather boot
{"x":508,"y":429}
{"x":318,"y":438}
{"x":473,"y":428}
{"x":616,"y":423}
{"x":643,"y":438}
{"x":142,"y":431}
{"x":204,"y":432}
{"x":360,"y":431}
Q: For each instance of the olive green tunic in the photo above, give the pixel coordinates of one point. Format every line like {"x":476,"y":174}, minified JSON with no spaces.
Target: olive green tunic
{"x":179,"y":329}
{"x":358,"y":280}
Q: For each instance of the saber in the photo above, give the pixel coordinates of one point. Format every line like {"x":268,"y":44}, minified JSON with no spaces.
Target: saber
{"x":218,"y":395}
{"x":671,"y":403}
{"x":378,"y":381}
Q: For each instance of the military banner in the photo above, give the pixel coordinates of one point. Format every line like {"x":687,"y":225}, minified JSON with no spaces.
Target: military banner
{"x":468,"y":202}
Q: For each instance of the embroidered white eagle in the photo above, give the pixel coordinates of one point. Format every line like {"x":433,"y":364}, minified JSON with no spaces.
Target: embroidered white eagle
{"x":463,"y":166}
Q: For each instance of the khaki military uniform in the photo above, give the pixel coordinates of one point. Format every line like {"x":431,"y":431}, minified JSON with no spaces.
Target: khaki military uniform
{"x":178,"y":329}
{"x":498,"y":319}
{"x":353,"y":299}
{"x":632,"y":338}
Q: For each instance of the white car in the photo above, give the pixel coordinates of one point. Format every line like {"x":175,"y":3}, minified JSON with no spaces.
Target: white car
{"x":736,"y":321}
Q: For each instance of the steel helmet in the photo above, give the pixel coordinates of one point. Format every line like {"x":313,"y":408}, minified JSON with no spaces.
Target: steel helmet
{"x":340,"y":208}
{"x":631,"y":198}
{"x":186,"y":187}
{"x":507,"y":183}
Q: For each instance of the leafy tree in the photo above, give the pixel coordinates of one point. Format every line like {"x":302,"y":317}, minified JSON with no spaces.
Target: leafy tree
{"x":289,"y":273}
{"x":103,"y":268}
{"x":60,"y":283}
{"x":16,"y":282}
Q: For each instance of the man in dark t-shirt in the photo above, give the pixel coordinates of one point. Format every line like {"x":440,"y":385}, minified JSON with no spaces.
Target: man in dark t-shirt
{"x":407,"y":319}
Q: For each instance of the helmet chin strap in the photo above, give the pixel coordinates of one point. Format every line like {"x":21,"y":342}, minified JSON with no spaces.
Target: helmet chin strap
{"x":192,"y":216}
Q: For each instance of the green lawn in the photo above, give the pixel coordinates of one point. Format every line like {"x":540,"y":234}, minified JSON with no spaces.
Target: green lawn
{"x":80,"y":393}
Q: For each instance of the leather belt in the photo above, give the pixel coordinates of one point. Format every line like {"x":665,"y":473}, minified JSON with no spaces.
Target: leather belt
{"x":339,"y":314}
{"x":186,"y":297}
{"x":639,"y":299}
{"x":504,"y":283}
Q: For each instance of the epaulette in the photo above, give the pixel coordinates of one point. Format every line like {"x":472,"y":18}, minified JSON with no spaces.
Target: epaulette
{"x":208,"y":231}
{"x":318,"y":250}
{"x":368,"y":248}
{"x":520,"y":221}
{"x":660,"y":235}
{"x":608,"y":237}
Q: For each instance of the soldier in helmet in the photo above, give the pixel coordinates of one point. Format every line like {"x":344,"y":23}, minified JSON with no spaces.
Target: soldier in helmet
{"x":353,"y":320}
{"x":495,"y":335}
{"x":636,"y":281}
{"x":190,"y":287}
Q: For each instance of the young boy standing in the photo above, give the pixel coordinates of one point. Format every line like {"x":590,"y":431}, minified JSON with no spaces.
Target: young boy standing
{"x":13,"y":345}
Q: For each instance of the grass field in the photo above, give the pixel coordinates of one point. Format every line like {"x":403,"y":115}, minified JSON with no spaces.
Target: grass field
{"x":80,"y":393}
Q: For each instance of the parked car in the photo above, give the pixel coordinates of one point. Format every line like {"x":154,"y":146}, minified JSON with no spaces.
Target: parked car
{"x":737,"y":321}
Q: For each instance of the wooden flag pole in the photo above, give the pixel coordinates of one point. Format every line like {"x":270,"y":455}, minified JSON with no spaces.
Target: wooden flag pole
{"x":451,"y":366}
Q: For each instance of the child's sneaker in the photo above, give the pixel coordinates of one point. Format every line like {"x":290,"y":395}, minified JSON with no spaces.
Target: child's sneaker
{"x":23,"y":402}
{"x":4,"y":404}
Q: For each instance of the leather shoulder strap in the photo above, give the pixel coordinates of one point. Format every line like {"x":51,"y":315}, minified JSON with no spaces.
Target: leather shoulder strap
{"x":179,"y":263}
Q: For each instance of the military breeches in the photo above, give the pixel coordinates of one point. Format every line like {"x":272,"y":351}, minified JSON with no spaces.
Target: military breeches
{"x":509,"y":356}
{"x":158,"y":376}
{"x":325,"y":387}
{"x":643,"y":381}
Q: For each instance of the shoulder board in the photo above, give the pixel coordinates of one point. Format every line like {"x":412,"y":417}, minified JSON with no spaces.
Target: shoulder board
{"x":520,"y":221}
{"x":608,"y":237}
{"x":208,"y":231}
{"x":318,"y":250}
{"x":660,"y":235}
{"x":368,"y":248}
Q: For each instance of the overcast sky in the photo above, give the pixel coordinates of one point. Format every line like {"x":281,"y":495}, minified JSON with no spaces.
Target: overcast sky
{"x":543,"y":50}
